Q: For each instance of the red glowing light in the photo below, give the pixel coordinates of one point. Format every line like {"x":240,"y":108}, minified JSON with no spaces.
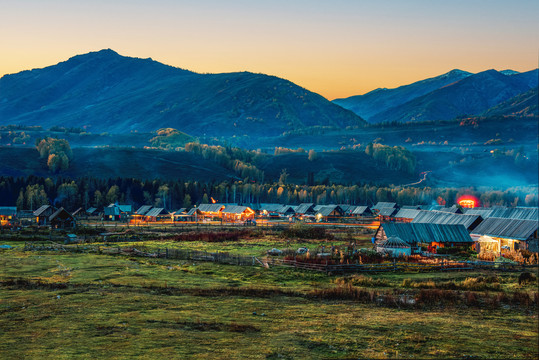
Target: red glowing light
{"x":468,"y":201}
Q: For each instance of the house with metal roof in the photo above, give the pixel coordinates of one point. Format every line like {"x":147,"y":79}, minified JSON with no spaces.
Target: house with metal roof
{"x":117,"y":212}
{"x":211,"y":210}
{"x":157,"y":214}
{"x":435,"y":235}
{"x":143,"y":209}
{"x":329,"y":212}
{"x":361,"y":211}
{"x":305,"y":209}
{"x":387,"y":213}
{"x":43,"y":213}
{"x":406,"y":215}
{"x":470,"y":222}
{"x":382,"y":204}
{"x":511,"y":234}
{"x":62,"y":219}
{"x":237,"y":213}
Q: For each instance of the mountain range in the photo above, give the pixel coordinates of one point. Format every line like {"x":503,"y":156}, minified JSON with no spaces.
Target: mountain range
{"x":446,"y":97}
{"x":106,"y":92}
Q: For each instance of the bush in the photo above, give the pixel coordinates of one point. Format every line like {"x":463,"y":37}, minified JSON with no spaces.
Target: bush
{"x":302,"y":231}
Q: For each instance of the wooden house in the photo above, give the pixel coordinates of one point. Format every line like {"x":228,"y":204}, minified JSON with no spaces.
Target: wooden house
{"x":7,"y":215}
{"x":43,"y":213}
{"x":211,"y":211}
{"x":62,"y":219}
{"x":434,"y":235}
{"x":158,"y":214}
{"x":387,"y":213}
{"x":305,"y":209}
{"x":232,"y":213}
{"x":381,"y":204}
{"x":329,"y":213}
{"x":361,"y":211}
{"x":116,"y":212}
{"x":270,"y":210}
{"x":511,"y":234}
{"x":92,"y":212}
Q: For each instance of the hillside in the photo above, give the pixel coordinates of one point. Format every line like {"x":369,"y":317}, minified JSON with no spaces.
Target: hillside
{"x":104,"y":91}
{"x":526,"y":104}
{"x":116,"y":162}
{"x":472,"y":95}
{"x":378,"y":100}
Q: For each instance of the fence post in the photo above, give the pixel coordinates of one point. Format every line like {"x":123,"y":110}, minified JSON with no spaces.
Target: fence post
{"x":394,"y":264}
{"x":442,"y":264}
{"x":166,"y":253}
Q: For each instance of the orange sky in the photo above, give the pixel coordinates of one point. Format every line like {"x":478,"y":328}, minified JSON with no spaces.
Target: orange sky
{"x":337,"y":49}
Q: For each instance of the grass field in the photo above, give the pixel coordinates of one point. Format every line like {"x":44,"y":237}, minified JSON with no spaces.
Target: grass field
{"x":64,"y":306}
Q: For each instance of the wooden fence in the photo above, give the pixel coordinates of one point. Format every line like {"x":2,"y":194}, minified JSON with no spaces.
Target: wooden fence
{"x":227,"y":258}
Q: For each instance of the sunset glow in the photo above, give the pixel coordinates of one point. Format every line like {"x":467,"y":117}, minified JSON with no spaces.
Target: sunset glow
{"x":337,"y":49}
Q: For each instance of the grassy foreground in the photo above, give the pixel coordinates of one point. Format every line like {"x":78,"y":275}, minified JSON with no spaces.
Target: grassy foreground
{"x":64,"y":306}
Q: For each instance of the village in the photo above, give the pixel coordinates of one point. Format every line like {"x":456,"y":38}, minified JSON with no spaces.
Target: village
{"x":396,"y":230}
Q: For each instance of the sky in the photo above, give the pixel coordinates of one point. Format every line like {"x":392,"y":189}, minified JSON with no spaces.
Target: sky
{"x":336,"y":48}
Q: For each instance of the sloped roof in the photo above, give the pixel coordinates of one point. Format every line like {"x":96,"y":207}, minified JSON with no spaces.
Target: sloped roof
{"x":91,"y":210}
{"x":8,"y":210}
{"x":394,"y":242}
{"x":285,"y":209}
{"x":235,"y":209}
{"x":181,"y":211}
{"x":328,"y":209}
{"x":426,"y":233}
{"x":270,"y":207}
{"x":192,"y":211}
{"x":60,"y":213}
{"x":143,"y":209}
{"x":318,"y":207}
{"x":440,"y":217}
{"x":522,"y":213}
{"x":126,"y":208}
{"x":453,"y":209}
{"x":411,"y":207}
{"x":507,"y":228}
{"x":156,"y":212}
{"x":346,"y":208}
{"x":359,"y":210}
{"x":41,"y":210}
{"x":381,"y":205}
{"x":387,"y":211}
{"x":210,"y":207}
{"x":407,"y":213}
{"x":305,"y":208}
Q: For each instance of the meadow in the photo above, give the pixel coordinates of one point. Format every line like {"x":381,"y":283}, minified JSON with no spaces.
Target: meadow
{"x":65,"y":305}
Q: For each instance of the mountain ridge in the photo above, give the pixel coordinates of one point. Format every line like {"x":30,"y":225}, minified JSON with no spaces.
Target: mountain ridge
{"x":104,"y":91}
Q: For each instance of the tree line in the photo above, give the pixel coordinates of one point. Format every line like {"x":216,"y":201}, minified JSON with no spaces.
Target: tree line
{"x":31,"y":192}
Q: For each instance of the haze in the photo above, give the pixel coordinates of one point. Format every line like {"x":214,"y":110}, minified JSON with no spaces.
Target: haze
{"x":337,"y":48}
